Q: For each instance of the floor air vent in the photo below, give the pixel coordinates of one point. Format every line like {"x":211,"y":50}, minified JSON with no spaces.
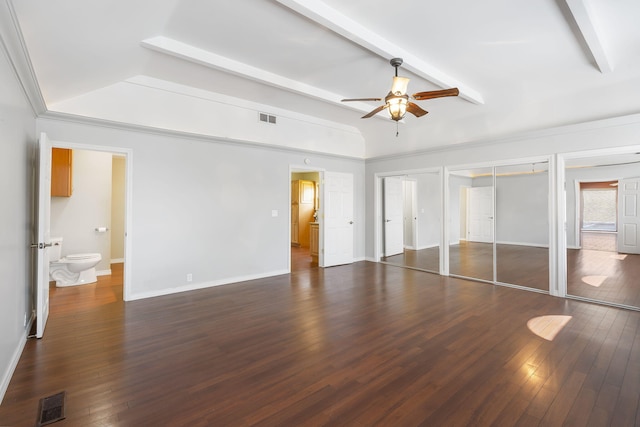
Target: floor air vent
{"x":267,"y":118}
{"x":51,"y":409}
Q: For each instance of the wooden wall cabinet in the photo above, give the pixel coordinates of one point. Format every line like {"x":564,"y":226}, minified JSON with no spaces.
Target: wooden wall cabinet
{"x":314,"y":241}
{"x":61,"y":172}
{"x":303,"y":196}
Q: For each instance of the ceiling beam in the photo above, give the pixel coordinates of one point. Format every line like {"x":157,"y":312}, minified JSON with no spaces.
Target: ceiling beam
{"x":328,"y":17}
{"x":583,"y":14}
{"x":209,"y":59}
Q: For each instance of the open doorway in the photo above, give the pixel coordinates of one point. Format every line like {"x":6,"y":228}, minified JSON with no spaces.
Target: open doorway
{"x":90,"y":219}
{"x":598,"y":215}
{"x":305,"y":226}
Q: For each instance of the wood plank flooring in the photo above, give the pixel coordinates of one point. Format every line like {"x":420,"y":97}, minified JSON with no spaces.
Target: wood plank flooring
{"x":357,"y":345}
{"x":604,"y":276}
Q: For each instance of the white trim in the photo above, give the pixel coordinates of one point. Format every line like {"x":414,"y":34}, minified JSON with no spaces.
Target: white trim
{"x":103,"y":272}
{"x":117,"y":260}
{"x":583,"y":14}
{"x":204,"y":285}
{"x":557,"y":225}
{"x":530,"y":245}
{"x":13,"y":45}
{"x":444,"y":222}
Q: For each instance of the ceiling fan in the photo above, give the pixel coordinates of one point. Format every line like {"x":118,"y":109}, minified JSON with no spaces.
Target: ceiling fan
{"x":397,"y":101}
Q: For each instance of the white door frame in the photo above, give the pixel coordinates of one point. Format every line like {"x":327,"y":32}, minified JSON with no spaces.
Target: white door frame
{"x":128,"y":209}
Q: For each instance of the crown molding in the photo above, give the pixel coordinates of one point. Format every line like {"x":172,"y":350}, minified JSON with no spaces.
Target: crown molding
{"x":14,"y":47}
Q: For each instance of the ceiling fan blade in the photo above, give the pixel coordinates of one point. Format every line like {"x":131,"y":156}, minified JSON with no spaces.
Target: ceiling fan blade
{"x":361,"y":99}
{"x":415,"y":110}
{"x":399,"y":86}
{"x":436,"y":94}
{"x":374,"y":112}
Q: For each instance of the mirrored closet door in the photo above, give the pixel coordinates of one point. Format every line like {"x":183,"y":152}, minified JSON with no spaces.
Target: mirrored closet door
{"x":522,"y":225}
{"x":603,"y":228}
{"x":471,"y":223}
{"x":411,"y":211}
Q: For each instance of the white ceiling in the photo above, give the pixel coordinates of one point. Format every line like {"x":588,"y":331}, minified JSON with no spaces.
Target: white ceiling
{"x":520,"y":65}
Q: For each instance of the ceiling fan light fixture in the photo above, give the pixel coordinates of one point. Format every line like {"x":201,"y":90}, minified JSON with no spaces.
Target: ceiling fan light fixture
{"x":397,"y":106}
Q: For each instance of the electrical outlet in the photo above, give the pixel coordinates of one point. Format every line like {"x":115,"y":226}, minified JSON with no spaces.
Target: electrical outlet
{"x":189,"y":277}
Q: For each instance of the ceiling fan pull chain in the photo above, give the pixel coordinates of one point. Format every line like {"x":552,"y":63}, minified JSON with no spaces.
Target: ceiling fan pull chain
{"x":397,"y":131}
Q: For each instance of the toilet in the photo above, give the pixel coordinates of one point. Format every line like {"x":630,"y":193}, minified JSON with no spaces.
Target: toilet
{"x":71,"y":270}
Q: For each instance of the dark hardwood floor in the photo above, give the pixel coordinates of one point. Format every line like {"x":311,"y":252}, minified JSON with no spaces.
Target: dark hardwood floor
{"x":359,"y":345}
{"x":604,"y":276}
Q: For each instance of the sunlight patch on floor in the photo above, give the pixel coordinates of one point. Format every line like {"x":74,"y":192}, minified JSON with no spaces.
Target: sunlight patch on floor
{"x":594,"y":281}
{"x":618,"y":256}
{"x":549,"y":326}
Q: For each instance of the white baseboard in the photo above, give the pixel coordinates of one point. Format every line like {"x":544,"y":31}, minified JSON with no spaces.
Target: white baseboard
{"x":533,"y":245}
{"x":204,"y":285}
{"x":117,"y":260}
{"x":103,"y":272}
{"x":428,"y":246}
{"x":15,"y":358}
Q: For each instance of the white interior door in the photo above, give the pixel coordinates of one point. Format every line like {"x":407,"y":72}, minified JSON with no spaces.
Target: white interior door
{"x":481,"y":214}
{"x":629,"y":216}
{"x":338,"y":219}
{"x":393,"y":216}
{"x":43,"y":234}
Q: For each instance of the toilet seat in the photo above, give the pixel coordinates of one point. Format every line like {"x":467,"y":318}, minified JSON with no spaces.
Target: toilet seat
{"x":80,"y":257}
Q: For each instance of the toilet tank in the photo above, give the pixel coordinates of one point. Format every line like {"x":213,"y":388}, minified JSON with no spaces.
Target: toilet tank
{"x":55,"y":251}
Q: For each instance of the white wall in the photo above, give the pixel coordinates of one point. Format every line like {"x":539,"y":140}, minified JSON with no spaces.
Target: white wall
{"x":186,"y":109}
{"x":203,"y":207}
{"x":17,"y":144}
{"x":75,"y":218}
{"x":522,"y":209}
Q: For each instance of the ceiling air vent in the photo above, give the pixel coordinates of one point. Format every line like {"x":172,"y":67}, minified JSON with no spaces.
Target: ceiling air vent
{"x":267,"y":118}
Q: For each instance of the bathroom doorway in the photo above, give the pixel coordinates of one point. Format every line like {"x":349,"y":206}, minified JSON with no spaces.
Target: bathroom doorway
{"x":304,"y":218}
{"x":96,"y":216}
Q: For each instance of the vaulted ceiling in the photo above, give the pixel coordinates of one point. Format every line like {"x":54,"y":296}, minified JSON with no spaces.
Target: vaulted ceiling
{"x":520,"y":65}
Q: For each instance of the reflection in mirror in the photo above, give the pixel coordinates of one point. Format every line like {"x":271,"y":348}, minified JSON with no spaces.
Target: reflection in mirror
{"x":471,"y":223}
{"x":603,"y":228}
{"x":522,"y":226}
{"x":411,"y":221}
